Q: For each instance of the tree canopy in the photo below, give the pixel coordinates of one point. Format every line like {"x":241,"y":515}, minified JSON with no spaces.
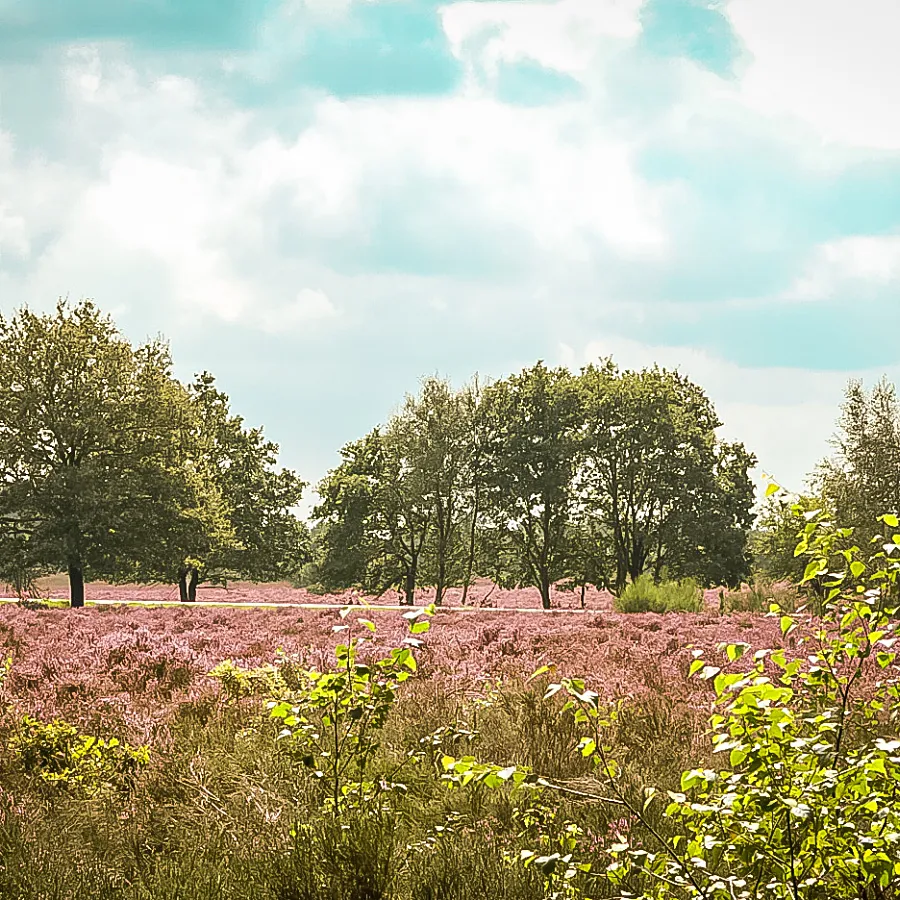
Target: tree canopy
{"x":543,"y":477}
{"x":112,"y":469}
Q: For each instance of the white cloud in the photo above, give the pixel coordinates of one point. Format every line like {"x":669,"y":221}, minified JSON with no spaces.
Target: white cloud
{"x":188,"y":188}
{"x":832,"y":64}
{"x":852,"y":265}
{"x":567,"y":35}
{"x":309,"y":307}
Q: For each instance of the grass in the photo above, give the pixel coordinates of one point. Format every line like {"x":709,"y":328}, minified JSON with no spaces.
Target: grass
{"x":223,"y":813}
{"x":645,"y":595}
{"x":758,"y":596}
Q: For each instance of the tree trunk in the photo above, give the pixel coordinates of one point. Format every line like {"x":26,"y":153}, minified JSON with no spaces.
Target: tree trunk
{"x":583,"y":589}
{"x":76,"y":586}
{"x":470,"y":563}
{"x":192,"y":584}
{"x":545,"y":589}
{"x":441,"y":581}
{"x":182,"y":585}
{"x":409,"y":588}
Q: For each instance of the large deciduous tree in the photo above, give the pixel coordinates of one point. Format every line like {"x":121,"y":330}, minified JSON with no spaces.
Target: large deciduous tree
{"x":657,"y":490}
{"x":91,"y":441}
{"x":433,"y":435}
{"x":247,"y":527}
{"x":374,"y":516}
{"x":532,"y":421}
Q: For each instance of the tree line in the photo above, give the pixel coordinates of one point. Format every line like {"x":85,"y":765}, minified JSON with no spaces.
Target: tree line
{"x":112,"y":469}
{"x":541,"y":478}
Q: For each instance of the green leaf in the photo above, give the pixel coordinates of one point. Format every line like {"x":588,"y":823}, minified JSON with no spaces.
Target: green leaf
{"x":890,"y":520}
{"x":773,"y":488}
{"x":857,"y":568}
{"x":538,"y":672}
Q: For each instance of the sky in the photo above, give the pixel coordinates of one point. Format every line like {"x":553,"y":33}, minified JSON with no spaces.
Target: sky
{"x":322,"y":201}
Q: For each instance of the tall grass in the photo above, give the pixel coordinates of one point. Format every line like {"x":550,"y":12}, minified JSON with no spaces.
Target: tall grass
{"x":223,"y":813}
{"x":645,"y":595}
{"x":759,"y":596}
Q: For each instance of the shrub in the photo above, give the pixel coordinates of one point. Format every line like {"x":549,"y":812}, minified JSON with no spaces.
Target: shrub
{"x":58,"y":754}
{"x":645,"y":595}
{"x":805,"y":803}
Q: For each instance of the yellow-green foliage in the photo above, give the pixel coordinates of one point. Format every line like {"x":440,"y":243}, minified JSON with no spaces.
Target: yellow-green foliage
{"x":645,"y":595}
{"x":238,"y":682}
{"x":58,"y":754}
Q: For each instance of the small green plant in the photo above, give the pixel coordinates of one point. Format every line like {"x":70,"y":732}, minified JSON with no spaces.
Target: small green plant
{"x":60,"y":755}
{"x":332,"y":720}
{"x":645,"y":595}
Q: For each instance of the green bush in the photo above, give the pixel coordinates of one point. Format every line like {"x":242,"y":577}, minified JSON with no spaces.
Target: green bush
{"x":645,"y":595}
{"x":58,"y":754}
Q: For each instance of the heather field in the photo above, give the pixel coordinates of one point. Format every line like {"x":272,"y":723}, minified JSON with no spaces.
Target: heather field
{"x":483,"y":594}
{"x":221,"y":810}
{"x":132,"y":667}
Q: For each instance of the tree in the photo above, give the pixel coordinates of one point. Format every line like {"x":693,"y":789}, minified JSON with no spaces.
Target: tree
{"x":91,"y":434}
{"x":531,"y":452}
{"x":267,"y":542}
{"x":862,"y":479}
{"x":432,"y":435}
{"x":473,"y":412}
{"x":343,"y":540}
{"x":655,"y":484}
{"x":246,"y":527}
{"x":375,"y":515}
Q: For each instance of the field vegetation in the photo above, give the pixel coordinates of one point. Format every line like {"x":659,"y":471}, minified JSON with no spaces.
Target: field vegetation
{"x":711,"y":712}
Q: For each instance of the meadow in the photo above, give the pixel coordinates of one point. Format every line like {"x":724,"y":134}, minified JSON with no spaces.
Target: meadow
{"x":370,"y":753}
{"x":215,"y":810}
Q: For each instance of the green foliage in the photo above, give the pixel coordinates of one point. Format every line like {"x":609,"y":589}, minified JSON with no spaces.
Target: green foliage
{"x":540,"y":478}
{"x":805,"y":802}
{"x":91,"y":430}
{"x":645,"y":595}
{"x":60,"y":755}
{"x":531,"y":455}
{"x":862,"y":479}
{"x":331,"y":721}
{"x":781,"y":521}
{"x":245,"y":527}
{"x":238,"y":683}
{"x":392,"y":513}
{"x":658,"y":489}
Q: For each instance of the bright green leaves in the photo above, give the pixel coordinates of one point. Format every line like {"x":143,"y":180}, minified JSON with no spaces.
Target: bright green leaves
{"x":806,"y":802}
{"x":332,"y":721}
{"x":60,"y":755}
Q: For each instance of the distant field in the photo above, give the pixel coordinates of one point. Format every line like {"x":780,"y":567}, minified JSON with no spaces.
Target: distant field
{"x":482,"y":594}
